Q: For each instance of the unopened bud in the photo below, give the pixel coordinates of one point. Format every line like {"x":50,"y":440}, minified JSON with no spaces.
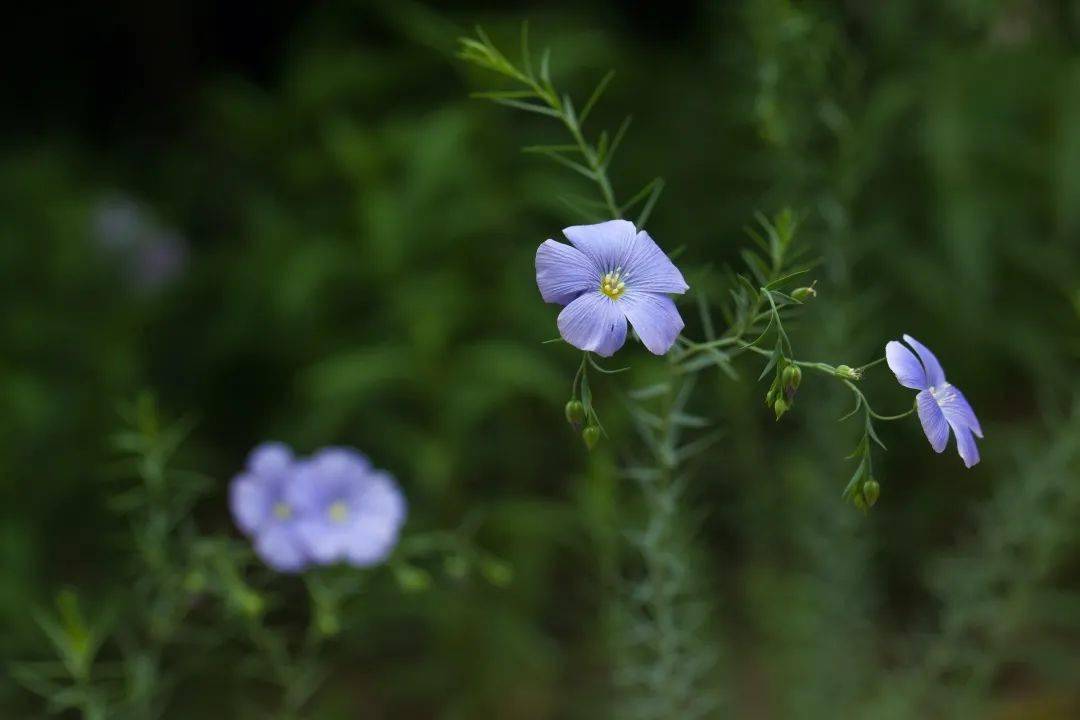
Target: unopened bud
{"x":780,"y":407}
{"x":792,"y":377}
{"x":591,"y":436}
{"x":804,"y":293}
{"x":847,"y":372}
{"x":575,"y":412}
{"x":411,"y":578}
{"x":871,"y":491}
{"x":497,"y":572}
{"x":456,"y":566}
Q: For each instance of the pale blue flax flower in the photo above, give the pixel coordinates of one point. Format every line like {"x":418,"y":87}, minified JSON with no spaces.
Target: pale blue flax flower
{"x":609,"y":274}
{"x":940,"y":404}
{"x":261,"y":509}
{"x":348,"y":510}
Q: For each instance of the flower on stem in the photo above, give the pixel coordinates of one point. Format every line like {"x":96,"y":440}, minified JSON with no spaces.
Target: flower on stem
{"x":611,"y":273}
{"x":332,"y":507}
{"x":941,"y":405}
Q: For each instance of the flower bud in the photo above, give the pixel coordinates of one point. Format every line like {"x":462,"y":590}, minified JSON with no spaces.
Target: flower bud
{"x":792,"y":377}
{"x":591,"y":436}
{"x":575,"y":412}
{"x":847,"y":372}
{"x":497,"y":572}
{"x":770,"y":397}
{"x":859,"y":501}
{"x":871,"y":491}
{"x":804,"y":293}
{"x":780,"y":407}
{"x":456,"y":566}
{"x":411,"y":578}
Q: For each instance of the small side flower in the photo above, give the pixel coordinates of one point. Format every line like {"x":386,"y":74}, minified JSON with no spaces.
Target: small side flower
{"x":941,"y":405}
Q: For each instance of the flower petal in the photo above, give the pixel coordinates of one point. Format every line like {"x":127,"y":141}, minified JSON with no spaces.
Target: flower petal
{"x":965,"y":445}
{"x":648,"y":269}
{"x":593,"y":322}
{"x":326,"y":541}
{"x":655,"y":318}
{"x":605,"y":244}
{"x":280,"y":548}
{"x":251,"y":502}
{"x":957,"y":409}
{"x":369,"y":548}
{"x":563,"y":272}
{"x":905,"y":366}
{"x":934,"y":374}
{"x":336,"y":461}
{"x":270,"y":459}
{"x":933,"y":421}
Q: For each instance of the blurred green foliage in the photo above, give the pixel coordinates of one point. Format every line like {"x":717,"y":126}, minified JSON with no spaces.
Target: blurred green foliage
{"x":359,"y":270}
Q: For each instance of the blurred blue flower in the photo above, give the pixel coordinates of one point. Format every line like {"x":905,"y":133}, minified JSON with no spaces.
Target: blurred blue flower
{"x":150,"y":256}
{"x":261,"y":509}
{"x":941,"y":405}
{"x":347,"y":510}
{"x":611,"y":274}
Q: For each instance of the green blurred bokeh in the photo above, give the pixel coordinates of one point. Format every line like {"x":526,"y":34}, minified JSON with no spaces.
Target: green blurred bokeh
{"x":298,"y":227}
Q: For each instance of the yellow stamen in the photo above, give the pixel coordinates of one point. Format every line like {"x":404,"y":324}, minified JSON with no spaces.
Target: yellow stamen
{"x":339,"y":512}
{"x":612,"y":284}
{"x":282,"y":511}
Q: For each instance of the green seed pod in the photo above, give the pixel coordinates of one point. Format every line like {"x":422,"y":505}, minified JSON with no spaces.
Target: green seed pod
{"x":780,"y":407}
{"x":860,"y":501}
{"x":804,"y":293}
{"x":591,"y":436}
{"x":871,"y":491}
{"x":575,"y":412}
{"x":796,"y":376}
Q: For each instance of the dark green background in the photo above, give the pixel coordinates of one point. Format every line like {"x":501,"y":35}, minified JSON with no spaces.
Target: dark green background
{"x":361,"y":239}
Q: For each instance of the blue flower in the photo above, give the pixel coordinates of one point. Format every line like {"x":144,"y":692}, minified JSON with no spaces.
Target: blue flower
{"x":261,"y":509}
{"x":941,"y":405}
{"x":347,"y":510}
{"x":612,"y":273}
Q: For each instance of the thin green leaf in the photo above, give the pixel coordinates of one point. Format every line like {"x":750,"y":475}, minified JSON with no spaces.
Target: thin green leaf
{"x":776,"y":355}
{"x":502,"y":94}
{"x":596,"y":94}
{"x":527,"y":107}
{"x":617,"y":140}
{"x":526,"y":58}
{"x":550,"y":148}
{"x":567,"y":162}
{"x":781,"y":280}
{"x":545,"y":70}
{"x":658,"y":187}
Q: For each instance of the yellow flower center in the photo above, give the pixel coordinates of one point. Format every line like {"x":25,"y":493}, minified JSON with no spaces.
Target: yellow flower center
{"x":282,"y":511}
{"x":612,"y":284}
{"x":339,"y":512}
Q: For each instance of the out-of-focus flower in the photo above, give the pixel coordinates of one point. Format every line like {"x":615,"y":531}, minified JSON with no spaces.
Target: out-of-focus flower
{"x":149,"y":255}
{"x":258,"y":499}
{"x":348,"y":511}
{"x":941,"y":405}
{"x":612,"y":273}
